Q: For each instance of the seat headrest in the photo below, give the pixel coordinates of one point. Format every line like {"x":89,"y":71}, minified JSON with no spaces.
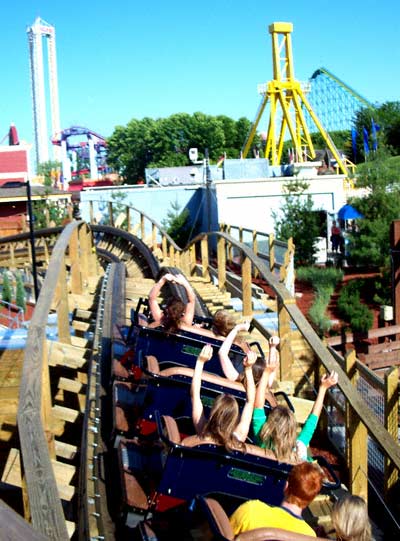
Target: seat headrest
{"x":171,"y":429}
{"x":219,"y":517}
{"x":152,"y":364}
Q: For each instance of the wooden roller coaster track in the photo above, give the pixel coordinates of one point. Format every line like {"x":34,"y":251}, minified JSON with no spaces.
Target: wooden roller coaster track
{"x":83,"y":270}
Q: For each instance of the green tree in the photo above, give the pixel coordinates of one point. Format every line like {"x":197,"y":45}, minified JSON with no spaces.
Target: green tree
{"x":50,"y":170}
{"x":45,"y":212}
{"x":166,"y":142}
{"x":129,"y":149}
{"x":370,"y":245}
{"x":387,"y":117}
{"x":118,"y":206}
{"x":20,"y":292}
{"x":296,"y":219}
{"x":6,"y":292}
{"x":177,"y":224}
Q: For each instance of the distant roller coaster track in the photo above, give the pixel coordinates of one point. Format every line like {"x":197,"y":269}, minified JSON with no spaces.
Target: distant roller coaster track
{"x":334,"y":102}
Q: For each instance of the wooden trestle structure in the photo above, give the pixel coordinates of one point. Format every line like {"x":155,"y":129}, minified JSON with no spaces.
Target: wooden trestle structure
{"x":54,"y":458}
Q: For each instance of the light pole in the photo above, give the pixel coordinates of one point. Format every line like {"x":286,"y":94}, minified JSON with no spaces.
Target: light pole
{"x":32,"y":239}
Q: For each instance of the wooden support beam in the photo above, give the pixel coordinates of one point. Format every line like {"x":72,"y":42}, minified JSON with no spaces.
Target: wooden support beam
{"x":68,"y":415}
{"x":75,"y":262}
{"x":391,"y":425}
{"x":62,"y":307}
{"x":63,"y":473}
{"x":286,"y":356}
{"x":357,"y":439}
{"x":221,"y":256}
{"x":71,"y":385}
{"x":66,"y":355}
{"x":246,"y":288}
{"x":204,"y":257}
{"x":46,"y":402}
{"x":271,"y":243}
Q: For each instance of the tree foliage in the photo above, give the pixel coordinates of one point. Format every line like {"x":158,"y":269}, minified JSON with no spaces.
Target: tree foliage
{"x":177,"y":224}
{"x":296,"y":219}
{"x":370,"y":245}
{"x":387,"y":119}
{"x":20,"y":292}
{"x":6,"y":292}
{"x":165,"y":142}
{"x":50,"y":170}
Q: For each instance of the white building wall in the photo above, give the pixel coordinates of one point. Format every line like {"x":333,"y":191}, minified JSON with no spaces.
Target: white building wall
{"x":249,"y":203}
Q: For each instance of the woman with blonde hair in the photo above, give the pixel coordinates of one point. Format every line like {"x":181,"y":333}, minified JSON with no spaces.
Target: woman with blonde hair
{"x":225,"y":426}
{"x":278,"y":431}
{"x":350,"y":519}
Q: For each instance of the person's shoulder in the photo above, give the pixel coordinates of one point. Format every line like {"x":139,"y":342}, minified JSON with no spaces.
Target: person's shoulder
{"x":254,"y":506}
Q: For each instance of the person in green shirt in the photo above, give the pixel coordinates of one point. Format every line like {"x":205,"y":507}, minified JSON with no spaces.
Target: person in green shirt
{"x":278,"y":431}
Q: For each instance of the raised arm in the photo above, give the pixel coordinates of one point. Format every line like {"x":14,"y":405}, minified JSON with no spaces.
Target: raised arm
{"x":242,"y":430}
{"x":267,"y":379}
{"x":327,"y":381}
{"x":191,"y":304}
{"x":198,"y":417}
{"x":155,"y":309}
{"x":228,"y":369}
{"x":309,"y":427}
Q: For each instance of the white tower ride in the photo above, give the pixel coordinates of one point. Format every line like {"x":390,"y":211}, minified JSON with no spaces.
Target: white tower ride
{"x":36,"y":32}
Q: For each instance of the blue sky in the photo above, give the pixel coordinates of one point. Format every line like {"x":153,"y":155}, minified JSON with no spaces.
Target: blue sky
{"x":128,"y":59}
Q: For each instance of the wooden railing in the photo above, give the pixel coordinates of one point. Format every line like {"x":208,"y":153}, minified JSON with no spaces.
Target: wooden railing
{"x":263,"y":244}
{"x":151,"y":233}
{"x":138,"y":223}
{"x":42,"y":504}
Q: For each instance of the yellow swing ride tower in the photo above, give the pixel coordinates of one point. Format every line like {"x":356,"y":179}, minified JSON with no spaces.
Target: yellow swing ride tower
{"x":287,"y":100}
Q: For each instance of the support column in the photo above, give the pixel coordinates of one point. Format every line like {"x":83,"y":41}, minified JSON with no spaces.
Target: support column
{"x":395,"y":257}
{"x":357,"y":439}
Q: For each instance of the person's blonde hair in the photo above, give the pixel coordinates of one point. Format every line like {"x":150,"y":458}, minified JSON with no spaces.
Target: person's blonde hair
{"x":350,"y":519}
{"x":279,"y":434}
{"x":223,"y":420}
{"x":223,"y":322}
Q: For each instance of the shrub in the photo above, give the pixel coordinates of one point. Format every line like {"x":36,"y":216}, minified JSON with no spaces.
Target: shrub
{"x":352,"y":309}
{"x":6,"y":293}
{"x":329,"y":276}
{"x":20,"y":292}
{"x":323,"y":281}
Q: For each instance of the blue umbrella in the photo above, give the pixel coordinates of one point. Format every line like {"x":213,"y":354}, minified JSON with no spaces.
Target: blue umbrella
{"x":347,"y":212}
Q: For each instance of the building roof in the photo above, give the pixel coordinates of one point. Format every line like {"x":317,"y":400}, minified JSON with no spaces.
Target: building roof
{"x":14,"y":193}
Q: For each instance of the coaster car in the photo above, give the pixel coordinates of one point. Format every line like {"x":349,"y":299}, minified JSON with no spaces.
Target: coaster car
{"x":169,"y":474}
{"x":168,"y":391}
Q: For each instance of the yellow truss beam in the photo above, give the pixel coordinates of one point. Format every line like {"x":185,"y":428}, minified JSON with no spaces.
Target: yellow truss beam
{"x":287,"y":99}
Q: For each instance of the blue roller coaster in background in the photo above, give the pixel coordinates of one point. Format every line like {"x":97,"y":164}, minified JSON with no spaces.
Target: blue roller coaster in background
{"x":334,"y":102}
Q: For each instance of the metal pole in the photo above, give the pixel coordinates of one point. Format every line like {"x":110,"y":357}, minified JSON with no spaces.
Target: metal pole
{"x":32,"y":240}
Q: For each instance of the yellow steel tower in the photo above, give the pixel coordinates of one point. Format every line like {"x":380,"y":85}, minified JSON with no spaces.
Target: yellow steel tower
{"x":286,"y":98}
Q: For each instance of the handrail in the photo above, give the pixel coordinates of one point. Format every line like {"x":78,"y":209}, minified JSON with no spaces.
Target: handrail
{"x":34,"y":411}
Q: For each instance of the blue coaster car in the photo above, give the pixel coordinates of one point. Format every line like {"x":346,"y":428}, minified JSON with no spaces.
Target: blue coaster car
{"x":168,"y":391}
{"x":169,"y":474}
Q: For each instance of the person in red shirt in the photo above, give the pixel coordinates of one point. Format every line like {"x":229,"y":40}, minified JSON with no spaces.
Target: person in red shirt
{"x":336,"y":236}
